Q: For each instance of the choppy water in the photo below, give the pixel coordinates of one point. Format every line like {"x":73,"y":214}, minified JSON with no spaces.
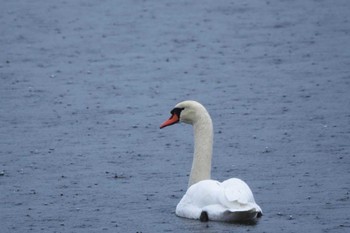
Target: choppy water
{"x":85,"y":86}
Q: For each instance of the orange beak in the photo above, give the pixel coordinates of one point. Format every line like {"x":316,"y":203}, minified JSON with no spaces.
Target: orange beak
{"x":172,"y":120}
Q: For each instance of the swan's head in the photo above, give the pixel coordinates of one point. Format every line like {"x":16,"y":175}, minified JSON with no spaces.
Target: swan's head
{"x":188,"y":111}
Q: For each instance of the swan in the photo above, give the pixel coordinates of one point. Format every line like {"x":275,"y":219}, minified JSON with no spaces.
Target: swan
{"x":206,"y":199}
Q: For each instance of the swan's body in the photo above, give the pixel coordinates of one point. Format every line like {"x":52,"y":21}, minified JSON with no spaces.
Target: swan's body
{"x":206,"y":199}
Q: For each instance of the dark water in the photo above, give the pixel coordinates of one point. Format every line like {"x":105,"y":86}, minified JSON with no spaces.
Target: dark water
{"x":86,"y":84}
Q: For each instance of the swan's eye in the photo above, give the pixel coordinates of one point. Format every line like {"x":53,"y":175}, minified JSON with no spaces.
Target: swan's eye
{"x":176,"y":111}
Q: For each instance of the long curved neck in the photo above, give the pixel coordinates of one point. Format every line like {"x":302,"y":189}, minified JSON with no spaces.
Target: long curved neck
{"x":203,"y":147}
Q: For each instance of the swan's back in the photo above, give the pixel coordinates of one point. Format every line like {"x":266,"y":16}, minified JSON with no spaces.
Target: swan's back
{"x":230,"y":201}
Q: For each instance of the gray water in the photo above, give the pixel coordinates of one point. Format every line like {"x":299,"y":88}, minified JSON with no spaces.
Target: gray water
{"x":86,"y":84}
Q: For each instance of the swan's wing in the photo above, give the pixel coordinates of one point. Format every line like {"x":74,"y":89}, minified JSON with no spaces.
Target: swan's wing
{"x":238,"y":196}
{"x":237,"y":190}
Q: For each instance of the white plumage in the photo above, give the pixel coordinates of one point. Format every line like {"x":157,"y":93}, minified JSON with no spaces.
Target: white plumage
{"x":206,"y":199}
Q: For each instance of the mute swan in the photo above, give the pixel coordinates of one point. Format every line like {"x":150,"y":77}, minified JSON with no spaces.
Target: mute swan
{"x":206,"y":199}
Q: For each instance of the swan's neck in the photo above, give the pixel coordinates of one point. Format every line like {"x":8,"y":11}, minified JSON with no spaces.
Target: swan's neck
{"x":203,"y":147}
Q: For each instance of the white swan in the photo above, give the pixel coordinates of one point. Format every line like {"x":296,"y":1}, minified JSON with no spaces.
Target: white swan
{"x":206,"y":199}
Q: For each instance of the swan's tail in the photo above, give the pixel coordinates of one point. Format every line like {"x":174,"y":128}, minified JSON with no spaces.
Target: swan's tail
{"x":242,"y":216}
{"x":219,"y":213}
